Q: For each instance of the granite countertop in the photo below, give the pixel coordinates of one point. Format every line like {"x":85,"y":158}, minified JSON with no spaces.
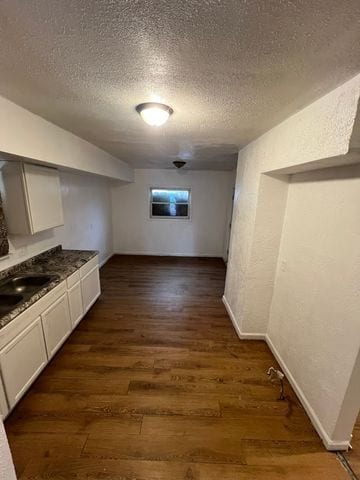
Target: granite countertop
{"x":55,"y":261}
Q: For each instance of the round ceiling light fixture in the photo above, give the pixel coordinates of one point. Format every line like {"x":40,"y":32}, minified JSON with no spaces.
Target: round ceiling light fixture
{"x":154,"y":114}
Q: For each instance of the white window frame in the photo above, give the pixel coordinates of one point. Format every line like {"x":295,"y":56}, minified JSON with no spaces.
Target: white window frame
{"x":169,"y":217}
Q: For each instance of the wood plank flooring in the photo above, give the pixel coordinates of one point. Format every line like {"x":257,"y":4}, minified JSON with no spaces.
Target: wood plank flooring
{"x":353,"y":456}
{"x":154,"y":384}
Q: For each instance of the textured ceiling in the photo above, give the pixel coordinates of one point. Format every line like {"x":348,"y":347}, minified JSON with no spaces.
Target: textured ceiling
{"x":230,"y":69}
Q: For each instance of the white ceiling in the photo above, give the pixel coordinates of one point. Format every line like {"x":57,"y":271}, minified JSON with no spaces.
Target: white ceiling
{"x":230,"y":69}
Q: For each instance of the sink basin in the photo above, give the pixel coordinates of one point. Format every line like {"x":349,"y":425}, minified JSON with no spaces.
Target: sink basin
{"x":26,"y":285}
{"x":21,"y":288}
{"x":9,"y":302}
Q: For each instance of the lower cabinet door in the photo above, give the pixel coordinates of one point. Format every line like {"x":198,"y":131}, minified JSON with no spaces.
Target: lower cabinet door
{"x":22,"y":360}
{"x":57,"y":324}
{"x":3,"y":402}
{"x":90,"y":286}
{"x":75,"y":304}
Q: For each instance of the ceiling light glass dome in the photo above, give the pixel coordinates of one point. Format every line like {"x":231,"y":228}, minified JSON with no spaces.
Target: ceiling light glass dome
{"x":154,"y":114}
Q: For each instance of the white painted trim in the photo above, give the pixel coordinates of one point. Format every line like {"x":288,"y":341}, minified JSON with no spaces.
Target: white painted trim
{"x":106,"y":259}
{"x":241,"y":335}
{"x":157,"y":254}
{"x":329,"y":444}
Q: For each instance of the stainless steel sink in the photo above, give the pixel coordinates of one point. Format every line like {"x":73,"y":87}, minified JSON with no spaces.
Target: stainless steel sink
{"x":26,"y":283}
{"x":9,"y":302}
{"x":17,"y":289}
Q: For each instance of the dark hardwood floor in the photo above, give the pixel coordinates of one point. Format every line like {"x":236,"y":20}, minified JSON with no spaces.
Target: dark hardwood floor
{"x":154,"y":384}
{"x":353,"y":456}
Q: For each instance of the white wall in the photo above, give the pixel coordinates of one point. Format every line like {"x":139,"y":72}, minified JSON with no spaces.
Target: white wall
{"x":87,"y":216}
{"x":315,"y":137}
{"x":314,"y":320}
{"x":320,"y":131}
{"x":25,"y":134}
{"x":204,"y":234}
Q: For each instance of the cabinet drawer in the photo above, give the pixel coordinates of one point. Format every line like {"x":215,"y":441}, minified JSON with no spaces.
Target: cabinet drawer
{"x":22,"y":360}
{"x":75,"y":304}
{"x":85,"y":269}
{"x":74,"y":278}
{"x":57,"y":325}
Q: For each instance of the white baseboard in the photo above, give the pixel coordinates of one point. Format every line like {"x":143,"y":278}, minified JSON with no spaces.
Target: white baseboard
{"x":329,"y":444}
{"x":157,"y":254}
{"x":106,"y":259}
{"x":241,"y":335}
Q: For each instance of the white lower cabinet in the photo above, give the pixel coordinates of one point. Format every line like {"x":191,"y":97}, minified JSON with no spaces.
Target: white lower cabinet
{"x":57,"y":324}
{"x":75,"y":304}
{"x":90,"y":286}
{"x":3,"y":403}
{"x":21,"y":361}
{"x":34,"y":336}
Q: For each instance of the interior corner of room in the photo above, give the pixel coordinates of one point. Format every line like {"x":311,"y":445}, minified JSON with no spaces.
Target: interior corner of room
{"x":179,"y":245}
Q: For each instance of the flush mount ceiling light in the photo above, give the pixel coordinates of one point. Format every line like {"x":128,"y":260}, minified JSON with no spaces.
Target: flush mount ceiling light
{"x":154,"y":114}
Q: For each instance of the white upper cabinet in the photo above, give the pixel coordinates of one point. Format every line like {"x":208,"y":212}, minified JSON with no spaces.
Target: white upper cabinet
{"x":32,"y":200}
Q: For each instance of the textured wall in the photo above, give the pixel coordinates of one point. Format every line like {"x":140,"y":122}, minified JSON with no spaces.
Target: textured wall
{"x":314,"y":320}
{"x":321,"y":130}
{"x":315,"y":134}
{"x":203,"y":234}
{"x":7,"y":471}
{"x":87,"y":216}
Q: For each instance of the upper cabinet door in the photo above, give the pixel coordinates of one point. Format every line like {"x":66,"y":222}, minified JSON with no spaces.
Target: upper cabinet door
{"x":32,"y":200}
{"x":44,"y":197}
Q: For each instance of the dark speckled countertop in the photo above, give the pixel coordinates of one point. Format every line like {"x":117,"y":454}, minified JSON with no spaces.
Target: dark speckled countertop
{"x":55,"y":261}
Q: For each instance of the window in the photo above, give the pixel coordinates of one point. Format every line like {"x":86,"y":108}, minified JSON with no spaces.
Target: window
{"x":169,"y":203}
